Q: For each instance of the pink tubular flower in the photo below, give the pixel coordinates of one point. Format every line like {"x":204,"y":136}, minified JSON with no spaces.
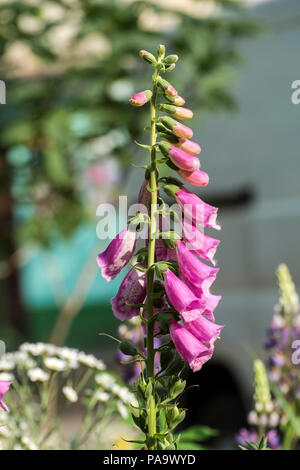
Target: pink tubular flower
{"x":179,"y":157}
{"x":211,"y":301}
{"x":189,"y":146}
{"x":132,"y":291}
{"x":177,"y":111}
{"x":189,"y":347}
{"x":117,"y":254}
{"x":141,"y":98}
{"x":4,"y":386}
{"x":177,"y":128}
{"x":144,"y":195}
{"x":204,"y":329}
{"x":197,"y":210}
{"x":196,"y":177}
{"x":197,"y":241}
{"x":191,"y":268}
{"x":182,"y":298}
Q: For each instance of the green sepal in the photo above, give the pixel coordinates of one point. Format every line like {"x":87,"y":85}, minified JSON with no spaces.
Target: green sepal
{"x":171,"y":189}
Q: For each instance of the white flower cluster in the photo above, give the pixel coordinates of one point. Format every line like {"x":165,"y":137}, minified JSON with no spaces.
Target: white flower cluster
{"x":80,"y":377}
{"x":108,"y":385}
{"x":39,"y":359}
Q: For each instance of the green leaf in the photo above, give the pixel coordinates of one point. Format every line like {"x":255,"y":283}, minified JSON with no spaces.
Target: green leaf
{"x":127,"y":348}
{"x":198,"y":434}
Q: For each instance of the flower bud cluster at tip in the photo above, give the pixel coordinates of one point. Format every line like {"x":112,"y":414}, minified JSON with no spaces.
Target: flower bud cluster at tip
{"x":179,"y":152}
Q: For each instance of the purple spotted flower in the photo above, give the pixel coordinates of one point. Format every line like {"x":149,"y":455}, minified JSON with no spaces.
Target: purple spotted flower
{"x":132,"y":291}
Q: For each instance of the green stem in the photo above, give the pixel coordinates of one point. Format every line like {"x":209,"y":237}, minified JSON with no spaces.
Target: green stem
{"x":150,"y":273}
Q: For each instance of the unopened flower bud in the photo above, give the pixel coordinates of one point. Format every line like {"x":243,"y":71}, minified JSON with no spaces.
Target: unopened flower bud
{"x":189,"y":146}
{"x":161,"y":51}
{"x":177,"y":128}
{"x":169,"y":68}
{"x":167,"y":88}
{"x":176,"y":111}
{"x":148,"y":57}
{"x":141,"y":98}
{"x":170,"y":59}
{"x":181,"y":159}
{"x":196,"y":178}
{"x":176,"y":100}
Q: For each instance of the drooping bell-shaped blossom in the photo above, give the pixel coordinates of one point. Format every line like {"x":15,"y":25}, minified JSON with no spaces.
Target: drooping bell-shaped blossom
{"x":193,"y":269}
{"x":132,"y":291}
{"x":177,"y":112}
{"x":204,"y":329}
{"x":180,"y":130}
{"x":196,"y":177}
{"x":189,"y":347}
{"x":141,"y":98}
{"x":117,"y":254}
{"x":179,"y":157}
{"x":197,"y":241}
{"x":182,"y":298}
{"x":196,"y":209}
{"x":189,"y":146}
{"x":4,"y":387}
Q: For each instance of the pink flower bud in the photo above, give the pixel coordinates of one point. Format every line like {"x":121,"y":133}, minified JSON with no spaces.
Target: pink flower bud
{"x":176,"y":100}
{"x":189,"y":146}
{"x":177,"y":128}
{"x":183,"y":113}
{"x":179,"y":157}
{"x":197,"y":177}
{"x":179,"y":101}
{"x":167,"y":88}
{"x":141,"y":98}
{"x":148,"y":57}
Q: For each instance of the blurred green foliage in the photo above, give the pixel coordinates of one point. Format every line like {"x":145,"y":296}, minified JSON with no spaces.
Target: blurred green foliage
{"x":69,"y":68}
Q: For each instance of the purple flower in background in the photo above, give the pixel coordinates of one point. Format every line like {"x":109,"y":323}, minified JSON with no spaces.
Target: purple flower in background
{"x":251,"y":435}
{"x":117,"y":254}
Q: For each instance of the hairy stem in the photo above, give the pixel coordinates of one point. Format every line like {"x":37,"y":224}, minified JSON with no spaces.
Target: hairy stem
{"x":151,"y":260}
